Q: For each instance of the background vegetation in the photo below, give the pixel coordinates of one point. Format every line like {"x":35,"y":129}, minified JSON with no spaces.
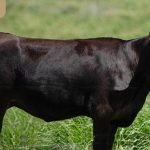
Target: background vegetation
{"x":66,"y":19}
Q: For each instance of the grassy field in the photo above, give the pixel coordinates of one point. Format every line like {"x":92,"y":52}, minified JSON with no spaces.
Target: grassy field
{"x":73,"y":19}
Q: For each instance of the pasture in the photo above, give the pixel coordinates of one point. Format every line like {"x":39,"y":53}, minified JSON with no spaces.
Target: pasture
{"x":73,"y":19}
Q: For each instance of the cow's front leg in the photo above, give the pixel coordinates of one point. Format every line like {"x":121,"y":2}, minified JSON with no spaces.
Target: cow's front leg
{"x":104,"y":134}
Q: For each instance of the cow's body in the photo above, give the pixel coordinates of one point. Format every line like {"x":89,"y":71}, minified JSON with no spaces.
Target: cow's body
{"x":59,"y":79}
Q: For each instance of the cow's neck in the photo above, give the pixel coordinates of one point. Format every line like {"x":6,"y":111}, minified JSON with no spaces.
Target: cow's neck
{"x":128,"y":102}
{"x":141,"y":79}
{"x":141,"y":73}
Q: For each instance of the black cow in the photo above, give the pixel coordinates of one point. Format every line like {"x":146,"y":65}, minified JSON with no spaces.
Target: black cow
{"x":106,"y":79}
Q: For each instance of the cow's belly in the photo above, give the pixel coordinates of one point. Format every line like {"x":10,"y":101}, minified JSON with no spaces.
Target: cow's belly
{"x":51,"y":105}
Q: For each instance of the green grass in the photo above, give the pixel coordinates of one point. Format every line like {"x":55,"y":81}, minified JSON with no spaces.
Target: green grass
{"x":73,"y":19}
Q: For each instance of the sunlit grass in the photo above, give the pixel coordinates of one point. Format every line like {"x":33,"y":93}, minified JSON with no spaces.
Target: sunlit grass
{"x":76,"y":18}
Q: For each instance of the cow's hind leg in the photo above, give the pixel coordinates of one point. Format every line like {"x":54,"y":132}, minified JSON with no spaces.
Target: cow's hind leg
{"x":3,"y":108}
{"x":104,"y":134}
{"x":4,"y":104}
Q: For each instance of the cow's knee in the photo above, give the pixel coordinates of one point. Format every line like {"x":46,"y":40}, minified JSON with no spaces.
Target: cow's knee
{"x":104,"y":135}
